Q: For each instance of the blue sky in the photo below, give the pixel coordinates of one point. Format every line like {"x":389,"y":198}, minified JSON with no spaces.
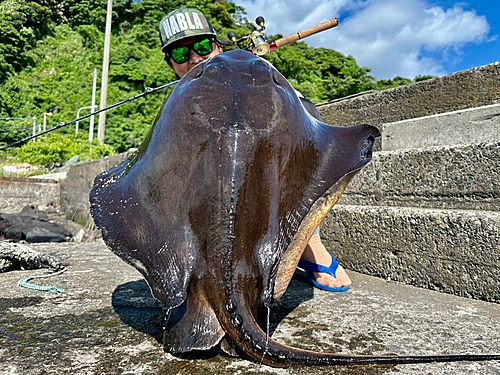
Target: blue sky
{"x":394,"y":37}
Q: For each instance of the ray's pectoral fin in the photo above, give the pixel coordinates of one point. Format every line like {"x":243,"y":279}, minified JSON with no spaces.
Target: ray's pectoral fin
{"x":124,"y":214}
{"x":342,"y":152}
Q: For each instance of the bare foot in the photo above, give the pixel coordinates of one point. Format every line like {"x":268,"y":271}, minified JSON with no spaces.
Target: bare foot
{"x":316,"y":252}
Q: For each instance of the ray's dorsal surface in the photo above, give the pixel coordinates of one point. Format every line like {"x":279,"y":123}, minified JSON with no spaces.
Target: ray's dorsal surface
{"x":216,"y":207}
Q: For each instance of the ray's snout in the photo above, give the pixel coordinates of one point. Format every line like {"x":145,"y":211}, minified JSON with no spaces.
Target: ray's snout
{"x":238,"y":65}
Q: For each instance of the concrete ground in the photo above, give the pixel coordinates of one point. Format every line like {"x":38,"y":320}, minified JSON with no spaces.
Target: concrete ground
{"x":106,"y":322}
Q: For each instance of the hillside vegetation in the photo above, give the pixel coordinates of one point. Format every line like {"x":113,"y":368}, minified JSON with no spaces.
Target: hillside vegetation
{"x":49,"y":49}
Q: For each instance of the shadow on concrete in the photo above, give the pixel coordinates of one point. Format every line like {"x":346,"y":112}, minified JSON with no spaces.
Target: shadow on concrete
{"x":298,"y":292}
{"x":19,"y":302}
{"x":137,"y":308}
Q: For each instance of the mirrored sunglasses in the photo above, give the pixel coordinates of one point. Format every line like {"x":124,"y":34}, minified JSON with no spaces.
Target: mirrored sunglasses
{"x":181,"y":54}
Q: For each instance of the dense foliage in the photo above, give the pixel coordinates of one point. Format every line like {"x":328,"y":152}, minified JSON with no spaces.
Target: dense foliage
{"x":49,"y":49}
{"x":55,"y":149}
{"x":320,"y":74}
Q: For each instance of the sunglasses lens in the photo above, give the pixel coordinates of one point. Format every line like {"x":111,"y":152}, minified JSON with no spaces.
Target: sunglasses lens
{"x":203,"y":47}
{"x":180,"y":54}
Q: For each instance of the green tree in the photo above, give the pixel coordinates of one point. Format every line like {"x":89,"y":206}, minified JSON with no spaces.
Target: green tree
{"x":22,"y":24}
{"x":385,"y":84}
{"x":57,"y":148}
{"x":59,"y":82}
{"x":423,"y":78}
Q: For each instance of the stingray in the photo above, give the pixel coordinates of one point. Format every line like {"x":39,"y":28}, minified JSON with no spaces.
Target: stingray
{"x":218,"y":203}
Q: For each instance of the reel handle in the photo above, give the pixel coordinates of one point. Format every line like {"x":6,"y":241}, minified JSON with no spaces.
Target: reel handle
{"x":303,"y":34}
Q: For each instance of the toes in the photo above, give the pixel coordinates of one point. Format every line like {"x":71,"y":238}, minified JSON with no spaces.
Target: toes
{"x":328,"y":280}
{"x":342,"y":278}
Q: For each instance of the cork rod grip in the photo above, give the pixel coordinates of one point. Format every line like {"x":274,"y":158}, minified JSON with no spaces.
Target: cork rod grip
{"x":310,"y":31}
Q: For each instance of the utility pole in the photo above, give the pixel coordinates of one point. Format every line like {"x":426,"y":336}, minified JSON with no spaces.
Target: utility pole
{"x":104,"y":81}
{"x":94,"y":86}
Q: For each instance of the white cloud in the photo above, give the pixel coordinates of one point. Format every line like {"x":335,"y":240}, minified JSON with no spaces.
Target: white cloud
{"x":391,"y":37}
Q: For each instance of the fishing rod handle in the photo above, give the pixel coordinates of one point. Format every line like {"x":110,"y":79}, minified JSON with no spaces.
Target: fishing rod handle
{"x":310,"y":31}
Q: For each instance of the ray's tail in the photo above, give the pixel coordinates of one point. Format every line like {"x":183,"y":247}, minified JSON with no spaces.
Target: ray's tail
{"x":243,"y":329}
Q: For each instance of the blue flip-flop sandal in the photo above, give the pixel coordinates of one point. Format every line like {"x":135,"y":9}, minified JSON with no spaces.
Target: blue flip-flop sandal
{"x":310,"y":267}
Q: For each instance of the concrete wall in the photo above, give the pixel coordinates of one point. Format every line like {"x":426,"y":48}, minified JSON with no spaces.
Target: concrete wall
{"x":15,"y":193}
{"x":466,"y":89}
{"x":76,"y":187}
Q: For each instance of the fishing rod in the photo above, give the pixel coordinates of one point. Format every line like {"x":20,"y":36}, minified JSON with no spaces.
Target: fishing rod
{"x":257,"y":42}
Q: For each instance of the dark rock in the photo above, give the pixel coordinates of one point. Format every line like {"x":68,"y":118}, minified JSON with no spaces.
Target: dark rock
{"x":32,"y":225}
{"x":40,"y":234}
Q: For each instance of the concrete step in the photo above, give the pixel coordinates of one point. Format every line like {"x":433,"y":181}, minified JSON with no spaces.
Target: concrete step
{"x":461,"y":177}
{"x":468,"y":126}
{"x":56,"y":176}
{"x":453,"y":251}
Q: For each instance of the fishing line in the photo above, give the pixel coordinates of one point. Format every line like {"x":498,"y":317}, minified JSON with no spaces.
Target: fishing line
{"x":149,"y":90}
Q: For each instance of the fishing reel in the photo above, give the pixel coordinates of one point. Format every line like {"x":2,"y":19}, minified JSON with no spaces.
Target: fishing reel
{"x":255,"y":42}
